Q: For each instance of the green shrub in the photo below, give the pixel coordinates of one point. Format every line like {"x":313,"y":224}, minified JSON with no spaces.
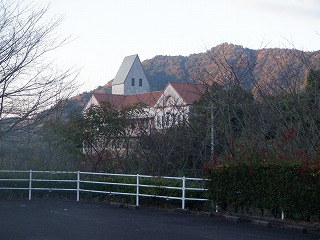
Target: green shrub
{"x":268,"y":186}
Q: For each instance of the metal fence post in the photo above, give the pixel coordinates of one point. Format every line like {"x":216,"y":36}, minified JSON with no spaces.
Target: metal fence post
{"x":78,"y":186}
{"x":183,"y":199}
{"x":137,"y":191}
{"x":30,"y":184}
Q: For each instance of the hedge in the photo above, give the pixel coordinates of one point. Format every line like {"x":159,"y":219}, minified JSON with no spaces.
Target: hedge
{"x":270,"y":187}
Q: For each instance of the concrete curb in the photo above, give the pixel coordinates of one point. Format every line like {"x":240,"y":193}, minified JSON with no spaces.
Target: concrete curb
{"x":295,"y":228}
{"x":268,"y":223}
{"x":204,"y":214}
{"x":277,"y":223}
{"x":132,"y":207}
{"x":235,"y":218}
{"x":261,"y":223}
{"x":117,"y":205}
{"x":231,"y":218}
{"x":180,"y":210}
{"x":121,"y":205}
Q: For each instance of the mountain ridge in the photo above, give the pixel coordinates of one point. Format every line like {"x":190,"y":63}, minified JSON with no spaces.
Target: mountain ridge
{"x":268,"y":68}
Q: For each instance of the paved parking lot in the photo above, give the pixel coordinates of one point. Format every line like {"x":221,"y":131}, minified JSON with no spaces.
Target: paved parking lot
{"x":48,"y":220}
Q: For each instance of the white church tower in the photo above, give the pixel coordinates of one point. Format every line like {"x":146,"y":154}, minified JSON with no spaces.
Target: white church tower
{"x":130,"y":78}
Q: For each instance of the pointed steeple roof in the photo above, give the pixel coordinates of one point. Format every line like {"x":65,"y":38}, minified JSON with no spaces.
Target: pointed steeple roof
{"x":124,"y":69}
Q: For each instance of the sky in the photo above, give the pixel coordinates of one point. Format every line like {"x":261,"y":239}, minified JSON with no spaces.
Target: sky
{"x":103,"y":32}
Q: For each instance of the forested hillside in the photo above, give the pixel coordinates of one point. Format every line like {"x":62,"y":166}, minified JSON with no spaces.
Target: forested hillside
{"x":264,"y":66}
{"x":267,"y":67}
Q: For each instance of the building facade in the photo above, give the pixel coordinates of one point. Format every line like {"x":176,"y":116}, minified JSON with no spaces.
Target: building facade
{"x":160,"y":109}
{"x":130,"y":78}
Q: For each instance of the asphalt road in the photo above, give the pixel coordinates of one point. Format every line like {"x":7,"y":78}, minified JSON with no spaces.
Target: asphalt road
{"x":48,"y":220}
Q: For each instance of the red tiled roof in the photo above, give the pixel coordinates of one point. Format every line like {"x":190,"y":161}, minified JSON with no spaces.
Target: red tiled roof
{"x":148,"y":99}
{"x":113,"y":99}
{"x":119,"y":101}
{"x":189,"y":92}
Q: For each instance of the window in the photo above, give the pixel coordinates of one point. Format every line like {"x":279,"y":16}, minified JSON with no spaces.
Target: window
{"x":173,"y":119}
{"x":168,"y":120}
{"x":158,"y":121}
{"x":169,"y":101}
{"x":179,"y":118}
{"x":140,"y":82}
{"x":132,"y":82}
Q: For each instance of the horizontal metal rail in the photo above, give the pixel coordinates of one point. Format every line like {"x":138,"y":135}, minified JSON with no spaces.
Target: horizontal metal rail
{"x":89,"y":182}
{"x":110,"y":183}
{"x":53,"y":180}
{"x":13,"y":180}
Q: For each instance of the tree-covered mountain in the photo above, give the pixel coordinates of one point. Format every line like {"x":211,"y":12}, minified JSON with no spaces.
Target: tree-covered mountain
{"x":163,"y":69}
{"x":267,"y":69}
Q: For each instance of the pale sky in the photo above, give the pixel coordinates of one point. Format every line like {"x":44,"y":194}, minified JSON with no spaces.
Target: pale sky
{"x":105,"y":31}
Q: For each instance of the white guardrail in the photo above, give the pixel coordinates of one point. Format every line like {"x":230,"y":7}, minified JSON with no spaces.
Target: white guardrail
{"x":92,"y":182}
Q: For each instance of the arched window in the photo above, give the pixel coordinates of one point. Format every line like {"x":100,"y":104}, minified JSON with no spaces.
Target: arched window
{"x":169,"y":101}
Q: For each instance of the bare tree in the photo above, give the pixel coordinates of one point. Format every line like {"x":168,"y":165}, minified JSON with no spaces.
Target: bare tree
{"x":29,"y":82}
{"x":279,"y":106}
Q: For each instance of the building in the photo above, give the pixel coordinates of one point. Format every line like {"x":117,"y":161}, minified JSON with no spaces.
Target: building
{"x":161,"y":109}
{"x":130,"y":78}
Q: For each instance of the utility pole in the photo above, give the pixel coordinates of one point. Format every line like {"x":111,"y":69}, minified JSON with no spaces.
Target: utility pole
{"x":212,"y":130}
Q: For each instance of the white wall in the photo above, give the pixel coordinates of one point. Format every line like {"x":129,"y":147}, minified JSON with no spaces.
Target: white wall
{"x":170,"y":109}
{"x":118,"y":89}
{"x":137,"y":73}
{"x":92,"y":102}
